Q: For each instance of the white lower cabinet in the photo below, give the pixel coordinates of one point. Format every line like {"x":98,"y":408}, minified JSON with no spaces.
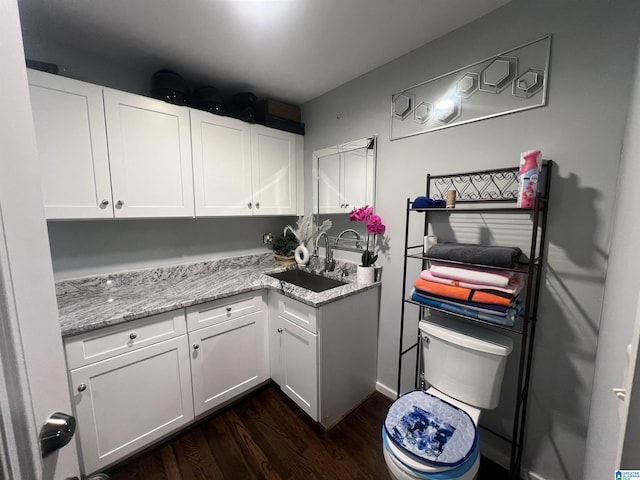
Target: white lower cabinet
{"x":126,"y":401}
{"x":325,"y":358}
{"x":294,"y":353}
{"x":228,"y":349}
{"x":136,"y":382}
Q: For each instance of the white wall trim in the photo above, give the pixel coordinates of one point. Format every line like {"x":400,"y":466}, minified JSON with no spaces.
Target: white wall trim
{"x":386,"y":391}
{"x":20,"y":455}
{"x":534,"y":476}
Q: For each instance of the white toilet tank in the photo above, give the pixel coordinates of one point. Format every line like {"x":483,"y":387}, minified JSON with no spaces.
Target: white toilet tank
{"x":465,"y":361}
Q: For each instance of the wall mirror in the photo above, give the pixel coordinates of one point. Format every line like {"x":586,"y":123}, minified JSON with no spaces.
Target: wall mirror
{"x":344,"y":178}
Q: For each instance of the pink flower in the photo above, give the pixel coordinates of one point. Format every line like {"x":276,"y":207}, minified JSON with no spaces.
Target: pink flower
{"x":361,"y":214}
{"x":375,"y":225}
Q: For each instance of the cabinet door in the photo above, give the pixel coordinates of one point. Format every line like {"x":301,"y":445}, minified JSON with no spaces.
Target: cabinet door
{"x":227,"y":359}
{"x":150,"y":156}
{"x":274,"y":171}
{"x":127,"y":401}
{"x":329,"y":185}
{"x":72,"y":147}
{"x":221,"y":164}
{"x":295,"y":364}
{"x":355,"y":179}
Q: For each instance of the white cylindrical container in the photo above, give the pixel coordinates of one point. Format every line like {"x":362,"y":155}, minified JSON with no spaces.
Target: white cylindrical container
{"x":365,"y":275}
{"x":429,"y":241}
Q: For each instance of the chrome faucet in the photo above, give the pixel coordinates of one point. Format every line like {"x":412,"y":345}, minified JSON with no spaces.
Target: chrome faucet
{"x":329,"y":262}
{"x":349,"y":230}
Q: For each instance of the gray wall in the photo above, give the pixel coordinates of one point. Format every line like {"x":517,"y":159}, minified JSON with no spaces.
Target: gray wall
{"x":84,"y":248}
{"x":593,"y":54}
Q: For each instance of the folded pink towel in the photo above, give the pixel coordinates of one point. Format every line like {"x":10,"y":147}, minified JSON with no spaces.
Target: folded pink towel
{"x":472,"y":275}
{"x":515,"y":283}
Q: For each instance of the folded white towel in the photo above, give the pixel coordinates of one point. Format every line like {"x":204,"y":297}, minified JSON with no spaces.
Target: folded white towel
{"x":474,"y":275}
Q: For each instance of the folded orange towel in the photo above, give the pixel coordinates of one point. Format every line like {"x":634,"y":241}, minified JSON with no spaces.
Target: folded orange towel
{"x":461,"y":293}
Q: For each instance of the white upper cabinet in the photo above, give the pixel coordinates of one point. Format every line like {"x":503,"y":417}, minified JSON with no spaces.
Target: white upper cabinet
{"x":345,"y":181}
{"x":150,"y":156}
{"x":243,"y":169}
{"x":330,"y":194}
{"x":274,"y":170}
{"x":72,"y":147}
{"x":358,"y":171}
{"x":221,"y":165}
{"x":105,"y":153}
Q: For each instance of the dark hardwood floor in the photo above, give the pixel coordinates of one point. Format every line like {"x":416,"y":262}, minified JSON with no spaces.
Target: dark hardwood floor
{"x":265,"y":436}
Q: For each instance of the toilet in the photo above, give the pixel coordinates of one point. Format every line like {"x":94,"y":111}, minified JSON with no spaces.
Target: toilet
{"x":433,"y":434}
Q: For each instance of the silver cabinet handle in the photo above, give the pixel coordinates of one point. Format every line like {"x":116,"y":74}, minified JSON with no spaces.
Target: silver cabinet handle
{"x":82,"y":387}
{"x":257,"y":204}
{"x":119,"y":204}
{"x":228,"y":309}
{"x":104,"y":203}
{"x":196,"y":346}
{"x":132,"y":335}
{"x":249,"y":205}
{"x":279,"y":330}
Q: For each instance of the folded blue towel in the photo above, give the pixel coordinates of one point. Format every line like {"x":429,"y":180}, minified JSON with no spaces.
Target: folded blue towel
{"x":508,"y":320}
{"x":426,"y":202}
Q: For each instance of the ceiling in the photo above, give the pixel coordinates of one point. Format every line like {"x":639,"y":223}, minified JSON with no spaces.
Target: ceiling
{"x":292,"y":50}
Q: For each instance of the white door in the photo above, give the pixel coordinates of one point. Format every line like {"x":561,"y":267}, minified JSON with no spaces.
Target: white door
{"x":227,"y":359}
{"x":274,"y":171}
{"x":221,"y":165}
{"x":297,"y":362}
{"x":125,"y":402}
{"x":624,"y":391}
{"x":33,"y":381}
{"x":150,"y":156}
{"x":72,"y":147}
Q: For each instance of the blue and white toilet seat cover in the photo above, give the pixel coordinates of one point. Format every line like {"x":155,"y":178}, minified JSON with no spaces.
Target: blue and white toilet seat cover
{"x":447,"y":474}
{"x":431,"y":430}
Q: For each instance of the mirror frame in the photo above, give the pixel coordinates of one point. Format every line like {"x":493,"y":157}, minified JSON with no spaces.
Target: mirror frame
{"x":348,"y":243}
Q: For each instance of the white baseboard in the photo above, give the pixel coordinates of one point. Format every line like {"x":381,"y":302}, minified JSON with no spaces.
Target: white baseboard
{"x":534,"y":476}
{"x":386,"y":391}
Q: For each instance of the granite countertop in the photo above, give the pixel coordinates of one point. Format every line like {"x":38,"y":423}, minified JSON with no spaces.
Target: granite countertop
{"x":91,"y":303}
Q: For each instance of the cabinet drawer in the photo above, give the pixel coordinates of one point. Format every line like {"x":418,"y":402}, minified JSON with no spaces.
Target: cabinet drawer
{"x":107,"y":342}
{"x":211,"y":313}
{"x":298,"y":313}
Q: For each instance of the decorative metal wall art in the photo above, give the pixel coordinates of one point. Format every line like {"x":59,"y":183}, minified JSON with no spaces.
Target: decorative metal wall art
{"x":509,"y":82}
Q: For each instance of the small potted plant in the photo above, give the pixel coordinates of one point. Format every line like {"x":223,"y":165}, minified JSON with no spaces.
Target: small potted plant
{"x":284,"y":246}
{"x":365,"y":271}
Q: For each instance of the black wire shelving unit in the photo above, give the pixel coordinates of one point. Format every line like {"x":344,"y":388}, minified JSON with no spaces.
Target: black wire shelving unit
{"x":487,"y":192}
